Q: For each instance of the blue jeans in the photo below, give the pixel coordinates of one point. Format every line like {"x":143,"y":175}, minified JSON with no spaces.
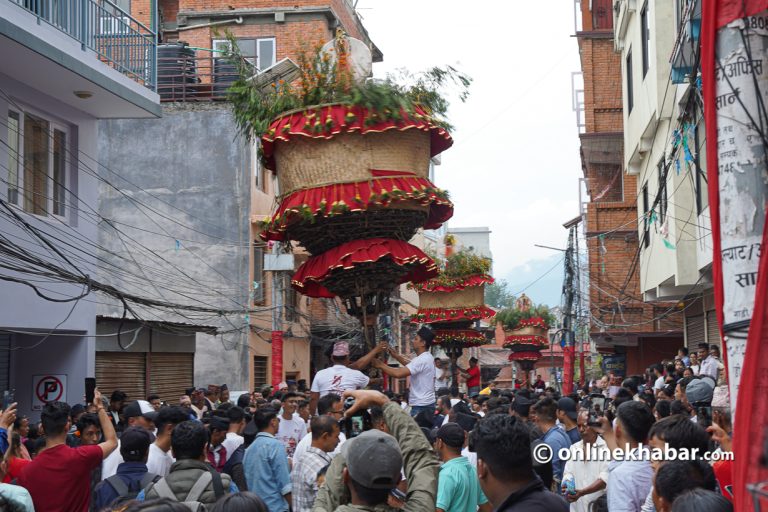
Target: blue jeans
{"x":416,"y":409}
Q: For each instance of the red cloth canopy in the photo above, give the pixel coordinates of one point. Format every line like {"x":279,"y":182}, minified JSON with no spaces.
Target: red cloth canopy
{"x":433,"y":315}
{"x":340,"y":198}
{"x":417,"y":266}
{"x":328,"y":121}
{"x":542,"y":341}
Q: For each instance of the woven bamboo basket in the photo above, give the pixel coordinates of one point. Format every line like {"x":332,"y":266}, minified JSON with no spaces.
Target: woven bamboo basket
{"x":466,"y":298}
{"x":305,"y":162}
{"x":527,"y":331}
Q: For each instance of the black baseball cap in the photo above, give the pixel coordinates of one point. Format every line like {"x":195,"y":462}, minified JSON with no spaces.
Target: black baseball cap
{"x":568,"y":406}
{"x":140,"y":408}
{"x":134,"y":442}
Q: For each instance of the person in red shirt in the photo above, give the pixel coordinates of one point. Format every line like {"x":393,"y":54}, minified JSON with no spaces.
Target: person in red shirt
{"x":59,"y":478}
{"x":472,"y":374}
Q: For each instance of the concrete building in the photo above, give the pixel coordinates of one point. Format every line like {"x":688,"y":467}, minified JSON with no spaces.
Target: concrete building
{"x":61,"y":71}
{"x":622,"y":322}
{"x":195,"y":168}
{"x":664,"y":148}
{"x":477,"y":239}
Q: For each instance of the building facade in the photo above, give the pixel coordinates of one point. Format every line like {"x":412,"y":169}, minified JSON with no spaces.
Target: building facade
{"x":622,"y":322}
{"x":49,"y":182}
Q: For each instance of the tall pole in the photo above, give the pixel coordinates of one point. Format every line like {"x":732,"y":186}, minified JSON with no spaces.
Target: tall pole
{"x":568,"y":349}
{"x":277,"y":328}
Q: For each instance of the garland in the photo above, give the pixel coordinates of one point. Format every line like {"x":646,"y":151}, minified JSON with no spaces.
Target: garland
{"x":467,"y":337}
{"x":525,"y":356}
{"x":534,"y":322}
{"x":451,"y":284}
{"x":536,"y":340}
{"x":452,"y":314}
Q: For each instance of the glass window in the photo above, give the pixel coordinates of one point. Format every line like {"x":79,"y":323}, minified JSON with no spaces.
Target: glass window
{"x":59,"y":172}
{"x":14,"y":139}
{"x":36,"y":160}
{"x":662,"y":190}
{"x":258,"y":273}
{"x":630,"y":97}
{"x":646,"y":218}
{"x":646,"y":37}
{"x":266,"y":53}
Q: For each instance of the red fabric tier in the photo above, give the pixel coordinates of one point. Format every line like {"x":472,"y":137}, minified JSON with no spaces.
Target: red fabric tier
{"x":328,"y":121}
{"x":525,"y":356}
{"x":358,"y":196}
{"x":309,"y":277}
{"x":542,"y":341}
{"x":430,"y":316}
{"x":448,"y":285}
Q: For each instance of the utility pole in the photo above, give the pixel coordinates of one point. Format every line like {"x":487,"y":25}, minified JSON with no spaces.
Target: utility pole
{"x":568,"y":334}
{"x":277,"y":328}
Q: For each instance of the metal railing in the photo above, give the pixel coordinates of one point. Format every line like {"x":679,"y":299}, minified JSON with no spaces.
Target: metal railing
{"x":188,"y":75}
{"x":119,"y":40}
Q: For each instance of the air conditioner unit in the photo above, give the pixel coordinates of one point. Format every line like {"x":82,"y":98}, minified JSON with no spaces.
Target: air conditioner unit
{"x":111,"y":25}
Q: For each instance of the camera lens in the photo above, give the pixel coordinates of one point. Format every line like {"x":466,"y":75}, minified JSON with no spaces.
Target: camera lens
{"x":349,"y":402}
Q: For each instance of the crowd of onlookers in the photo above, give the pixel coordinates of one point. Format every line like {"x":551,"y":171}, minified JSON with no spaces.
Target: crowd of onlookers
{"x":338,"y":446}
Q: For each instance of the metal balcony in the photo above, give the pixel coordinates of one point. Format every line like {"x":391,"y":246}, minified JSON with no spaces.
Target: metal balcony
{"x":118,"y":39}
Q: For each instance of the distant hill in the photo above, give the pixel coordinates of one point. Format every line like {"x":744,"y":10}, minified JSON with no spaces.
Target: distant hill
{"x":548,"y":289}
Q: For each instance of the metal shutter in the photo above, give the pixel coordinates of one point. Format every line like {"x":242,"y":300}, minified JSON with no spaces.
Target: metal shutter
{"x":5,"y":362}
{"x":713,"y":330}
{"x":121,"y":370}
{"x":170,"y":373}
{"x":694,"y":330}
{"x":259,"y":372}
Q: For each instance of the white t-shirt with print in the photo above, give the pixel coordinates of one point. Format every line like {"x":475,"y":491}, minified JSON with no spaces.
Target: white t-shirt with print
{"x":337,"y":379}
{"x":423,"y":374}
{"x":290,"y":432}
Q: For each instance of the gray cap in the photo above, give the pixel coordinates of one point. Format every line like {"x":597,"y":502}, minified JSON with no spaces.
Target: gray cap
{"x":700,"y":390}
{"x":374,"y":459}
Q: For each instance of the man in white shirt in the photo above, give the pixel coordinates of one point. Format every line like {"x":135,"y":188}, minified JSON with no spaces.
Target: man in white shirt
{"x":658,"y":372}
{"x":343,"y":375}
{"x":292,"y":427}
{"x":443,"y":379}
{"x":160,"y":459}
{"x":234,"y":437}
{"x":590,"y":470}
{"x":421,"y":393}
{"x":138,"y":413}
{"x":710,"y":362}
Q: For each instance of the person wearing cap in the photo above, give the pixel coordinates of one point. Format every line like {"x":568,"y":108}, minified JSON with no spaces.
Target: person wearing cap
{"x":567,"y":414}
{"x":132,"y":474}
{"x":421,"y":370}
{"x":199,"y":404}
{"x":370,"y":465}
{"x":505,"y":467}
{"x":472,"y":374}
{"x":521,"y":408}
{"x":138,"y":413}
{"x":458,"y":489}
{"x":58,"y":477}
{"x":223,"y":395}
{"x":325,"y":439}
{"x":590,"y":473}
{"x":266,"y":463}
{"x":217,"y":433}
{"x":698,"y":394}
{"x":343,"y":375}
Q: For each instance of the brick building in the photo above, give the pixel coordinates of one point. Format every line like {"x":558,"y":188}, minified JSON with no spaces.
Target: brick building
{"x":621,"y":322}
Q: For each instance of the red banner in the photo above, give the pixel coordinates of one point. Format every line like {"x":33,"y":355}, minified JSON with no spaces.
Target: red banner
{"x":277,"y":358}
{"x":569,"y":355}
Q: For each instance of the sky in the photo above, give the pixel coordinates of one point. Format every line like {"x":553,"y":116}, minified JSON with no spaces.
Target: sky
{"x":515,"y":164}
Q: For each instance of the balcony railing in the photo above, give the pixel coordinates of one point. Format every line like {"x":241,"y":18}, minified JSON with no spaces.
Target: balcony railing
{"x":118,"y":39}
{"x":187,"y":74}
{"x":602,"y":14}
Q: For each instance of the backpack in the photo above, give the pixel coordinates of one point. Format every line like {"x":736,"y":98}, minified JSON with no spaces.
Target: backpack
{"x":191,"y":500}
{"x":124,"y":494}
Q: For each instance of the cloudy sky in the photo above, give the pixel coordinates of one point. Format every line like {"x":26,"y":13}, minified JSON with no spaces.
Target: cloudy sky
{"x":515,"y":163}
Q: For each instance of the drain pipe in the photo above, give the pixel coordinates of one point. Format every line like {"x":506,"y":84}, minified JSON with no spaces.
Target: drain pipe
{"x":237,"y":21}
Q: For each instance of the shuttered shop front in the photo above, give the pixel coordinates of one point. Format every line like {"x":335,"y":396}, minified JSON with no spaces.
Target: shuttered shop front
{"x":694,"y":331}
{"x":713,"y":330}
{"x":170,"y":373}
{"x":125,"y":371}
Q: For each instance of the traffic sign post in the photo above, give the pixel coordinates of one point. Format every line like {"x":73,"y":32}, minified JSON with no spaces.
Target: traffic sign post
{"x":48,"y":388}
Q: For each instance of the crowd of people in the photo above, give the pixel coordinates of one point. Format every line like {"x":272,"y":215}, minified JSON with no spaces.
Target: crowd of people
{"x":341,"y":447}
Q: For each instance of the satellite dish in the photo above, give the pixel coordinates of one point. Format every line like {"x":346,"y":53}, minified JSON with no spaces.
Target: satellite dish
{"x":360,"y":57}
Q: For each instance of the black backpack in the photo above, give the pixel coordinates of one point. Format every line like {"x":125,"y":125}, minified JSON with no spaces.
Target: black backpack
{"x":124,"y":494}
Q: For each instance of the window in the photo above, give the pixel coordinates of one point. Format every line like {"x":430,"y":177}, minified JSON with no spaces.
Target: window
{"x":291,"y":304}
{"x":263,"y":51}
{"x":646,"y":37}
{"x":37,"y":164}
{"x":258,"y":273}
{"x":630,"y":98}
{"x":662,"y":174}
{"x":646,"y":218}
{"x":259,"y":372}
{"x":700,"y":162}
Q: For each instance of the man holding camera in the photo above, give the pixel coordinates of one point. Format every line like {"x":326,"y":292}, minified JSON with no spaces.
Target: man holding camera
{"x":369,"y":466}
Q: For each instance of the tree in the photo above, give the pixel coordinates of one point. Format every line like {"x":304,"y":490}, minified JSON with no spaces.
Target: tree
{"x":497,"y":295}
